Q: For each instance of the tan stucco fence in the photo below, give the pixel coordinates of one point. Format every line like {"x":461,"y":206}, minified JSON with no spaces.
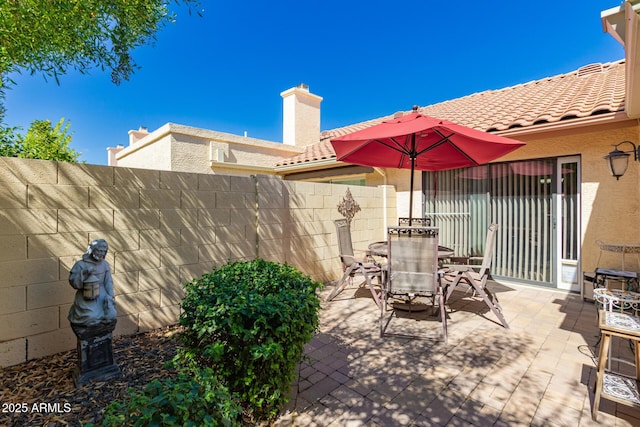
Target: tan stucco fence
{"x":163,"y":229}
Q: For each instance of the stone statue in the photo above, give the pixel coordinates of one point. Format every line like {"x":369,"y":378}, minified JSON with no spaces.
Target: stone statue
{"x":93,"y":315}
{"x":94,"y":302}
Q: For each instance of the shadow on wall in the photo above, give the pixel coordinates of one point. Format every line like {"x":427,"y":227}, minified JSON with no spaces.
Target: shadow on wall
{"x":163,"y":229}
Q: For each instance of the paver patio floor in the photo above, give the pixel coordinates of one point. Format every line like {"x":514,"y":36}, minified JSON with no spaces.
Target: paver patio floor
{"x":539,"y":372}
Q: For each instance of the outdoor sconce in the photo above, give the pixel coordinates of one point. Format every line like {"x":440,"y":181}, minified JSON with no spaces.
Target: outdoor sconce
{"x":619,"y":160}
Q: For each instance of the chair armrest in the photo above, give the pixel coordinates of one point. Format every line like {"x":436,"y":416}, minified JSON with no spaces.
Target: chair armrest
{"x":461,"y":267}
{"x":366,"y":262}
{"x":351,"y":258}
{"x":466,"y":260}
{"x":366,"y":254}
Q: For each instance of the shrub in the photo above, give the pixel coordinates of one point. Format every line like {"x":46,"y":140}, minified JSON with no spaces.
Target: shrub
{"x":249,"y":322}
{"x":194,"y":399}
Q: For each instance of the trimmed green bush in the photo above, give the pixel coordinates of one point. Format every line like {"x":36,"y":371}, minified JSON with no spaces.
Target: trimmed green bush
{"x":249,"y":322}
{"x":194,"y":399}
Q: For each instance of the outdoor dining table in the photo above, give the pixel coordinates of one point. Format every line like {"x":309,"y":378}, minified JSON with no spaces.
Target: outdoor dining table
{"x":380,"y":249}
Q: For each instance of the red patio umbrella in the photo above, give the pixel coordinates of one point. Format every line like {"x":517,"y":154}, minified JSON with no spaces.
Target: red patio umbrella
{"x":420,"y":142}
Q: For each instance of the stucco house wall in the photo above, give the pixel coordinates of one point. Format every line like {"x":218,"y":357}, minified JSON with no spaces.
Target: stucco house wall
{"x":163,"y":229}
{"x":188,"y":149}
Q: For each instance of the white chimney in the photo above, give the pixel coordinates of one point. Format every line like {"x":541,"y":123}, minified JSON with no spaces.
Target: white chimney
{"x":137,"y":135}
{"x":112,"y":161}
{"x":301,"y":116}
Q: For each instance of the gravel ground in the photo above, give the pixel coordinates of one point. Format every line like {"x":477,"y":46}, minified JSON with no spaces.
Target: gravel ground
{"x":41,"y":392}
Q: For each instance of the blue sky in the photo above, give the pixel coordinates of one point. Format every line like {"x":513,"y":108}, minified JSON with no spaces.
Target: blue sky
{"x":226,"y":70}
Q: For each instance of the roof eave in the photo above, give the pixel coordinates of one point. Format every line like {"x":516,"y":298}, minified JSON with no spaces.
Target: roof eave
{"x":632,"y":52}
{"x":613,"y":22}
{"x":599,"y":119}
{"x":309,"y":165}
{"x":268,"y":170}
{"x":623,"y":24}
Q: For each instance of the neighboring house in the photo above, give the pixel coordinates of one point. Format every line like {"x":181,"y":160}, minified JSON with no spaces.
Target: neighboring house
{"x":188,"y":149}
{"x":553,"y":198}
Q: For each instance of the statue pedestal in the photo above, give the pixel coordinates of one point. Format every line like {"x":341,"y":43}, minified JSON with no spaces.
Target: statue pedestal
{"x":95,"y":353}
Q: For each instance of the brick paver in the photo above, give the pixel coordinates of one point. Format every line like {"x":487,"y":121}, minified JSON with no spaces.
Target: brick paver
{"x":538,"y":373}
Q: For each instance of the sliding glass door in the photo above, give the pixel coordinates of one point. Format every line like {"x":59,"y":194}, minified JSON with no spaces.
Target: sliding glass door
{"x":535,"y":203}
{"x":522,"y":204}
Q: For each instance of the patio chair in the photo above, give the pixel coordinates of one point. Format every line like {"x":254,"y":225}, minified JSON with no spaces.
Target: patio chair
{"x":602,"y":277}
{"x":476,"y":276}
{"x":412,"y":272}
{"x":416,"y":222}
{"x":364,"y":266}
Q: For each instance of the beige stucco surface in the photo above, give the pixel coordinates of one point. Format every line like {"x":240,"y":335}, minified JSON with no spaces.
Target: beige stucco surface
{"x":187,"y":149}
{"x":163,"y":228}
{"x":156,"y":155}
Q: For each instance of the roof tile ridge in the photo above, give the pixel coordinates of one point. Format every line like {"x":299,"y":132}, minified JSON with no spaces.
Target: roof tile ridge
{"x":606,"y":67}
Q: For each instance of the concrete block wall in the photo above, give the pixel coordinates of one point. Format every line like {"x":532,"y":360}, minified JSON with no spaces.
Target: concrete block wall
{"x":295,"y":222}
{"x":163,"y":229}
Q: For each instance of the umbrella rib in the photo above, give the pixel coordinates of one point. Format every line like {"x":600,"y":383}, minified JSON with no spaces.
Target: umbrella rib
{"x":356,"y":149}
{"x":396,"y":146}
{"x":446,"y":139}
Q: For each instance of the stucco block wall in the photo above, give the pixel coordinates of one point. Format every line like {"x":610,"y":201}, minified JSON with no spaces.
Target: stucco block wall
{"x":163,"y":229}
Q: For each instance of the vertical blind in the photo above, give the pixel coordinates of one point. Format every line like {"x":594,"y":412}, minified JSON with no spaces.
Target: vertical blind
{"x":519,"y":197}
{"x":523,"y":206}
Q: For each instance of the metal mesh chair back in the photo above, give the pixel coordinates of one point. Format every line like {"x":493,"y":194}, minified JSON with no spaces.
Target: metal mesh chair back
{"x":352,"y":265}
{"x":467,"y":274}
{"x":413,"y":260}
{"x":488,"y":249}
{"x":345,"y":245}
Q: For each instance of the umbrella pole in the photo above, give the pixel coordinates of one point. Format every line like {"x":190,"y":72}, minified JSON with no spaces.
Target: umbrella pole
{"x":411,"y":194}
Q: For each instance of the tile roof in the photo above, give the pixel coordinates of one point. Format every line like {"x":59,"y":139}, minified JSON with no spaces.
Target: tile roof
{"x":591,"y":90}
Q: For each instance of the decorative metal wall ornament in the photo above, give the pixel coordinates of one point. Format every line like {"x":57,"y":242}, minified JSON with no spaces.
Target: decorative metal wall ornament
{"x":348,"y":207}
